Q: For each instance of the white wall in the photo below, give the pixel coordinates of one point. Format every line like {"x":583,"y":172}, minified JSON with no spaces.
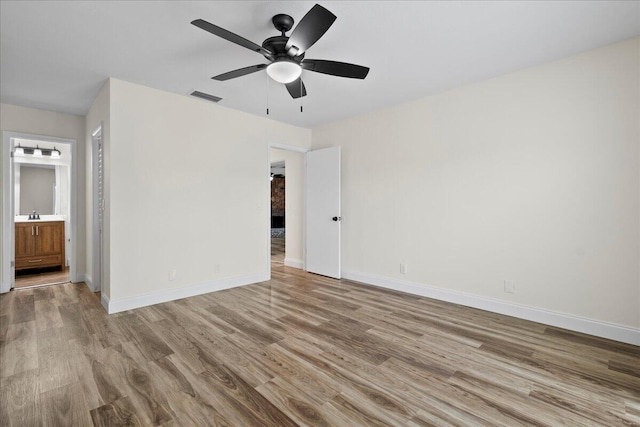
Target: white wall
{"x":187,"y":192}
{"x":98,"y":115}
{"x":531,"y":177}
{"x":294,"y":196}
{"x":49,"y":123}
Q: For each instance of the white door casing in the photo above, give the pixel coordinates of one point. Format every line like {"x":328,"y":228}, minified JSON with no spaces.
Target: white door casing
{"x":7,"y":246}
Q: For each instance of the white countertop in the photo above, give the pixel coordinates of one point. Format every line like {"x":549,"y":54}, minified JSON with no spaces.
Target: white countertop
{"x":25,"y":218}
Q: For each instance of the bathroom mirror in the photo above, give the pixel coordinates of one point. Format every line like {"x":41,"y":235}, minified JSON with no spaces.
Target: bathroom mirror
{"x":35,"y":189}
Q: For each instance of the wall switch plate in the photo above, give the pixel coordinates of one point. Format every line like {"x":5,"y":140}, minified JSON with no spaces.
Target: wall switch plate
{"x":403,"y":268}
{"x":172,"y":274}
{"x":509,"y":287}
{"x":216,"y":268}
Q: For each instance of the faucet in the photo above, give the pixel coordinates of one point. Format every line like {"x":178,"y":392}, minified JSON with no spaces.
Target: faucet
{"x":34,"y":215}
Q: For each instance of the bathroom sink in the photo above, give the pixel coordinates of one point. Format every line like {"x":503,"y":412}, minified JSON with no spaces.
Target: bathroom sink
{"x":25,"y":218}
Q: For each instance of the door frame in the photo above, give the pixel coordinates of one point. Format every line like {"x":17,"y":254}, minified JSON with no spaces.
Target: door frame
{"x":285,"y":147}
{"x":97,"y":240}
{"x":7,"y":276}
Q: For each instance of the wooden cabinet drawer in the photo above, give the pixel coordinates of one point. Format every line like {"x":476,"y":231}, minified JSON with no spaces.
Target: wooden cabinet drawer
{"x":40,"y":261}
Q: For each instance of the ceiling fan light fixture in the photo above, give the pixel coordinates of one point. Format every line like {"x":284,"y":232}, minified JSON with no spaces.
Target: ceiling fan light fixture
{"x":286,"y":53}
{"x":284,"y":71}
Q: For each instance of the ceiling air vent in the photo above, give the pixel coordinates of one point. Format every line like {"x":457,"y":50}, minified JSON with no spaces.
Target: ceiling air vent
{"x":206,"y":96}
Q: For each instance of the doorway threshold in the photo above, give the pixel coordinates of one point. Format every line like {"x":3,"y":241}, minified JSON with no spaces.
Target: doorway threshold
{"x":22,"y":288}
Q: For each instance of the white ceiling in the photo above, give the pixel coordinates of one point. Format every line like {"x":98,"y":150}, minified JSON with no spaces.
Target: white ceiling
{"x":56,"y":54}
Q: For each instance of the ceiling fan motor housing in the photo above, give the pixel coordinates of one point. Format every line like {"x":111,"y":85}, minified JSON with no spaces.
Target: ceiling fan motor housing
{"x":277,"y":45}
{"x":282,"y":22}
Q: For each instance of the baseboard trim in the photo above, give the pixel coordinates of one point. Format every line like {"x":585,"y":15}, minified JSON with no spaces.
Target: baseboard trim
{"x":104,"y":300}
{"x":295,"y":263}
{"x":86,"y":279}
{"x":123,"y":304}
{"x":597,"y":328}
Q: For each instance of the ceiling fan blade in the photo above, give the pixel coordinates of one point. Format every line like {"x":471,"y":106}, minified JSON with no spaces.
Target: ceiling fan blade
{"x":310,"y":28}
{"x":239,"y":72}
{"x":228,"y":35}
{"x":335,"y":68}
{"x":296,"y":88}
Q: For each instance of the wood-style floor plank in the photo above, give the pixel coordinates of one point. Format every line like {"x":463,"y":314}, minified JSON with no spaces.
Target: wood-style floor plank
{"x":47,"y":315}
{"x":20,"y":399}
{"x":54,"y":361}
{"x":120,"y":412}
{"x":303,"y":350}
{"x":65,"y":406}
{"x":19,"y":352}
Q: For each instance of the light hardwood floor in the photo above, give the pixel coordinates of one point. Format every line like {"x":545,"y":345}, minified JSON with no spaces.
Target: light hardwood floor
{"x":42,"y":277}
{"x":301,"y":350}
{"x":277,"y":251}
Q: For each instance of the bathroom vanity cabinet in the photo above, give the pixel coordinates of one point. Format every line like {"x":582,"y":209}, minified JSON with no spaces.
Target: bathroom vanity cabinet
{"x":39,"y":244}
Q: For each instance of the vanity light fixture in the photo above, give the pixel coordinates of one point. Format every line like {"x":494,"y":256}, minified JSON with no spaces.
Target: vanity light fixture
{"x":271,"y":178}
{"x":54,"y":153}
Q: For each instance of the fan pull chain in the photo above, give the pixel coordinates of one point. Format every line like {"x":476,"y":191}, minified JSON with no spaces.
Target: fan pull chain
{"x":301,"y":94}
{"x":267,"y":93}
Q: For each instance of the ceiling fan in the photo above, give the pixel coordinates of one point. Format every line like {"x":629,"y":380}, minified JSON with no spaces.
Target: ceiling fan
{"x":287,"y":53}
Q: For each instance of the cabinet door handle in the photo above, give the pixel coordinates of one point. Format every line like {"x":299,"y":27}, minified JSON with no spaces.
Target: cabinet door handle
{"x":37,"y":230}
{"x":32,"y":230}
{"x":35,"y":260}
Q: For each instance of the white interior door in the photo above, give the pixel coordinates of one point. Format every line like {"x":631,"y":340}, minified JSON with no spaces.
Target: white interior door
{"x":323,"y":212}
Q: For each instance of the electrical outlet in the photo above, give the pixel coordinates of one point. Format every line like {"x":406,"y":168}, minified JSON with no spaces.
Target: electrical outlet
{"x":403,"y":268}
{"x":509,"y":287}
{"x":172,"y":274}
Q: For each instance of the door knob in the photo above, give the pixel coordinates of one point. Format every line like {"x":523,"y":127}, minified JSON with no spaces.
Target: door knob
{"x":337,"y":218}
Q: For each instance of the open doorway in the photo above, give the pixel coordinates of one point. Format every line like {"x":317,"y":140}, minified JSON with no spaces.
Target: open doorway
{"x":286,"y":208}
{"x":39,"y":205}
{"x":278,"y":180}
